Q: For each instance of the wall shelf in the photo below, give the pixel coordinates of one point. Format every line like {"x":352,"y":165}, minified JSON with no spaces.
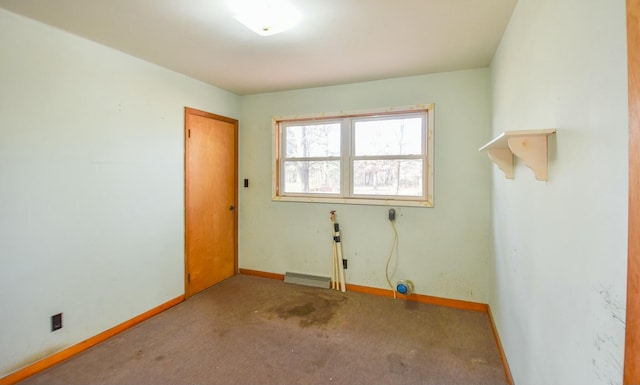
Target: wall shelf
{"x":529,"y":145}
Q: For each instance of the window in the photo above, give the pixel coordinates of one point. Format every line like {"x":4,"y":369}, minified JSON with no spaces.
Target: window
{"x":379,"y":157}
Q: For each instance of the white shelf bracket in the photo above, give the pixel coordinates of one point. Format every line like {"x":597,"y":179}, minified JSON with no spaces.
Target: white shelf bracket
{"x":503,"y":158}
{"x":533,"y":152}
{"x":530,"y":146}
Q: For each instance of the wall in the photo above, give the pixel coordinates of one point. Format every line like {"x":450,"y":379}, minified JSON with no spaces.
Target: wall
{"x":445,"y":250}
{"x":559,"y":277}
{"x":91,"y":186}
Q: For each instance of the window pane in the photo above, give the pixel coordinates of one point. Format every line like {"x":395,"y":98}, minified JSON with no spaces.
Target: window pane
{"x":313,"y":140}
{"x":388,"y":137}
{"x":388,"y":177}
{"x":318,"y":177}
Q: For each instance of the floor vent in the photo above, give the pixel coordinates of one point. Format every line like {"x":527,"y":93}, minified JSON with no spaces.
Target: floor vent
{"x":307,"y":280}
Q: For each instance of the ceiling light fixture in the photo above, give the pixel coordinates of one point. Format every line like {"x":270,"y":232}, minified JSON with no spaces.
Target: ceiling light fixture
{"x":265,"y":17}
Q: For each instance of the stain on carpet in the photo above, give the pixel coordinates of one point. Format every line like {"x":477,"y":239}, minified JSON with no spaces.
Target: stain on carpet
{"x":396,"y":365}
{"x":300,"y":310}
{"x":311,"y":308}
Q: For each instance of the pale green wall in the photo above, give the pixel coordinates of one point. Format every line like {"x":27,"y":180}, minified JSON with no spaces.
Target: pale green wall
{"x":91,"y":192}
{"x":445,"y":250}
{"x":559,"y":277}
{"x":91,"y":186}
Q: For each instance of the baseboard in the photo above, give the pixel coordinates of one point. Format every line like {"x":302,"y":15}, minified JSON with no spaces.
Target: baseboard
{"x":503,"y":357}
{"x":455,"y":303}
{"x":71,"y":351}
{"x":263,"y":274}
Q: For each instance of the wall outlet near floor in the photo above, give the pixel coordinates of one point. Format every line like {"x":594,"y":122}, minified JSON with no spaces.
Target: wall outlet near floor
{"x":56,"y":322}
{"x":344,"y":263}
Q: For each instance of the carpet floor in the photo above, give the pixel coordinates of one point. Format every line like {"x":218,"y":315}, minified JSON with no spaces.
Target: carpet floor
{"x":251,"y":330}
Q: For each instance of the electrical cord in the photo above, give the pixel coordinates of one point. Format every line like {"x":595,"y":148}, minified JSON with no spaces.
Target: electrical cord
{"x":393,"y":245}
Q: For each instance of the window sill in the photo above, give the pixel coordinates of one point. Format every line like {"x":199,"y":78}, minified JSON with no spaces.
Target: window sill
{"x":356,"y":201}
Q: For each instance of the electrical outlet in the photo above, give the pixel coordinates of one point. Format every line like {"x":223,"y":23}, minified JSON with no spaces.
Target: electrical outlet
{"x":392,"y":214}
{"x":56,"y":322}
{"x":344,"y":263}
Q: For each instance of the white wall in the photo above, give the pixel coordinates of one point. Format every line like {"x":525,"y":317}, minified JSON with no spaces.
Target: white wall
{"x":445,"y":250}
{"x":560,"y":268}
{"x":91,"y":186}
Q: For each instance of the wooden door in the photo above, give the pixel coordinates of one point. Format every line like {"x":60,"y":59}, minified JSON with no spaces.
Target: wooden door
{"x":211,"y":175}
{"x":632,"y":343}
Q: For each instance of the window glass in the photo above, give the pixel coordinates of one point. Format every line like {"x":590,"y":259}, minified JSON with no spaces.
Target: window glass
{"x":388,"y":137}
{"x":319,"y":177}
{"x":313,"y":140}
{"x":388,"y":177}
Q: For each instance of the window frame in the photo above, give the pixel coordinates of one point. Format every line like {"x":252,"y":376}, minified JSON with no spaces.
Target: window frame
{"x":347,"y":157}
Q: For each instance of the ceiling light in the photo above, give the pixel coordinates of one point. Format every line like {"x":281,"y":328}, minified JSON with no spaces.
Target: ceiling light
{"x":265,"y":17}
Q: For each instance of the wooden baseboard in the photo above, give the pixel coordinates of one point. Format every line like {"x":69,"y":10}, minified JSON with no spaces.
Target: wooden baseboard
{"x":71,"y":351}
{"x":503,"y":357}
{"x":263,"y":274}
{"x":455,"y":303}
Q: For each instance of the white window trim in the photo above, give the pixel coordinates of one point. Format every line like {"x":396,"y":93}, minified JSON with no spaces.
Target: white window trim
{"x":385,"y":201}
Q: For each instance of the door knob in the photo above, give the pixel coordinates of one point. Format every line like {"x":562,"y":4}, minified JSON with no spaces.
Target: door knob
{"x":232,"y":207}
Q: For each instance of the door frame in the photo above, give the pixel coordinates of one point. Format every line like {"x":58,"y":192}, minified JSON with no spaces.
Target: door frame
{"x":192,"y":111}
{"x":632,"y":335}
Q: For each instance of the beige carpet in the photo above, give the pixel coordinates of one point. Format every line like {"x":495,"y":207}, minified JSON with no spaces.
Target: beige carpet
{"x":250,"y":330}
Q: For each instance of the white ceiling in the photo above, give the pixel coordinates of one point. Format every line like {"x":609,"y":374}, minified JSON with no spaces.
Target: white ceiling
{"x":337,"y":41}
